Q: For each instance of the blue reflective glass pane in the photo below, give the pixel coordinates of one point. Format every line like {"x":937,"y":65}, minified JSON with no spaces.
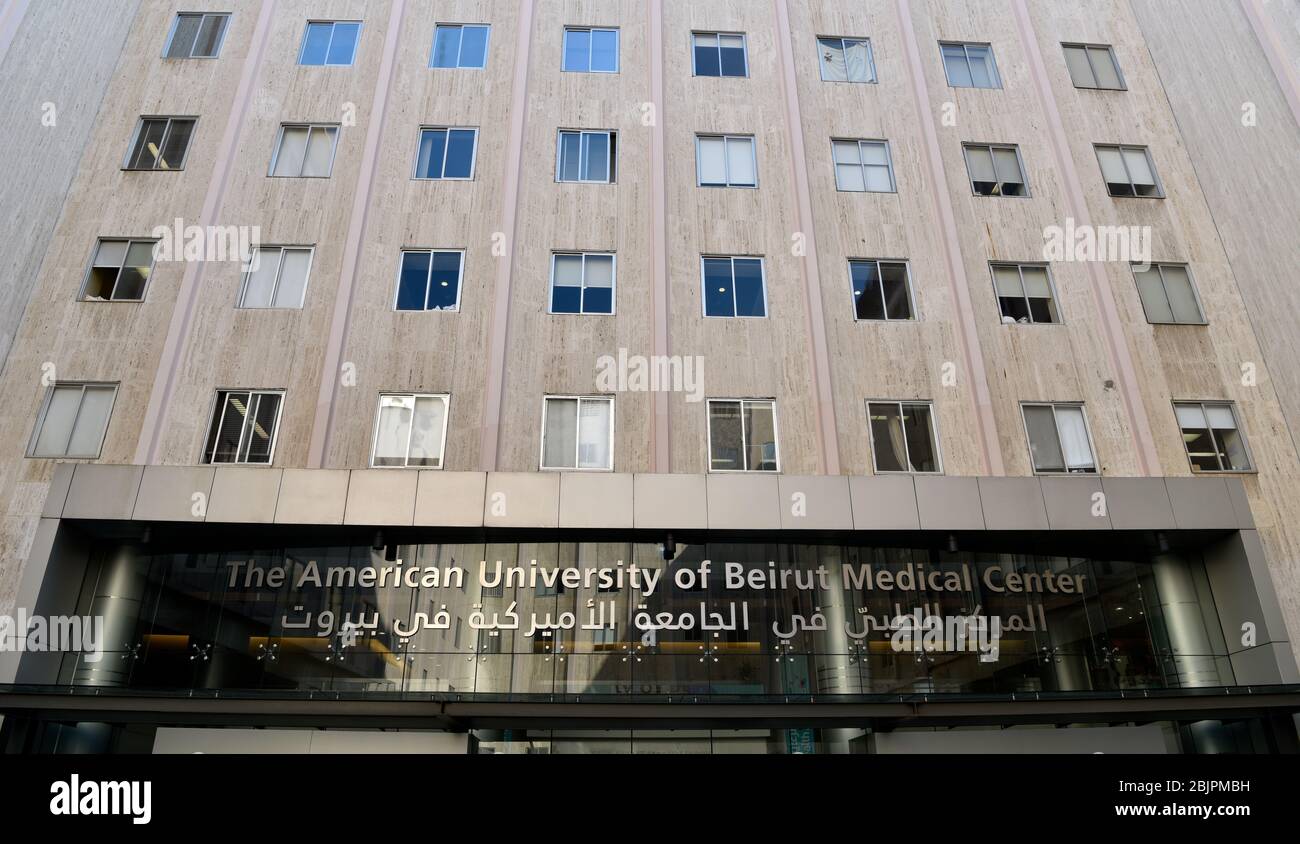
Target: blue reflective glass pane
{"x":598,"y":300}
{"x":566,"y":300}
{"x":444,"y":285}
{"x":707,"y":62}
{"x":446,"y":46}
{"x":733,"y":61}
{"x":604,"y":51}
{"x":413,"y":282}
{"x":316,"y":43}
{"x":718,"y":299}
{"x":577,"y":50}
{"x":433,"y":145}
{"x":343,"y":46}
{"x":597,"y":158}
{"x":749,"y":288}
{"x":570,"y":156}
{"x":460,"y":154}
{"x":473,"y":47}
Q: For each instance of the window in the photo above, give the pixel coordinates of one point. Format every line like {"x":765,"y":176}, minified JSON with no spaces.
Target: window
{"x":577,"y":432}
{"x":410,"y":430}
{"x":720,"y":54}
{"x":196,"y":36}
{"x":73,"y":421}
{"x":460,"y":46}
{"x":1212,"y":437}
{"x":1128,"y":171}
{"x":244,"y":424}
{"x":970,"y":66}
{"x":1093,"y":66}
{"x":1025,"y":293}
{"x":733,"y":287}
{"x":330,"y":43}
{"x":863,"y":166}
{"x":902,"y":436}
{"x":305,"y":151}
{"x":582,"y":283}
{"x":1059,"y":439}
{"x":995,"y":170}
{"x":160,"y":143}
{"x":881,"y":290}
{"x":586,"y":157}
{"x":119,"y":271}
{"x":846,"y":60}
{"x":277,"y":277}
{"x":430,"y":280}
{"x":446,"y":153}
{"x":742,"y":436}
{"x":726,"y":161}
{"x":590,"y":50}
{"x":1168,"y":295}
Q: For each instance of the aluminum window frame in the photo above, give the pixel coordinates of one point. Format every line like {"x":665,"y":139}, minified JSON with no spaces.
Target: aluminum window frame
{"x":1087,"y":428}
{"x":934,"y":437}
{"x":966,"y":146}
{"x":613,"y":287}
{"x":611,"y":165}
{"x":744,"y":39}
{"x":460,"y":47}
{"x":279,"y":275}
{"x":911,"y":290}
{"x":1151,"y":165}
{"x":871,"y":59}
{"x":44,"y":411}
{"x":965,"y":47}
{"x":167,"y":132}
{"x":726,"y":139}
{"x":216,"y":406}
{"x":419,"y":141}
{"x":744,"y":436}
{"x":704,"y":301}
{"x":428,"y":280}
{"x":171,"y":35}
{"x":1204,"y":404}
{"x":889,"y":162}
{"x":310,"y":127}
{"x":90,"y":268}
{"x":1160,"y":266}
{"x":1114,"y":61}
{"x":577,"y":432}
{"x":618,"y":49}
{"x":1020,"y":270}
{"x":356,"y":47}
{"x":406,"y":465}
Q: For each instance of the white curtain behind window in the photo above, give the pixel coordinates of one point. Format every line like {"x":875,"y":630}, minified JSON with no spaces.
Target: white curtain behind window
{"x":1074,"y":438}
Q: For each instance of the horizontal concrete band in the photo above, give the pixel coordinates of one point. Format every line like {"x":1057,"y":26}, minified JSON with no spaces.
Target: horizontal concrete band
{"x":408,"y":497}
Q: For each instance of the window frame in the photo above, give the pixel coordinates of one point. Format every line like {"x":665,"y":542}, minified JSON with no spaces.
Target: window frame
{"x":613,"y":287}
{"x":744,"y":38}
{"x":726,"y":140}
{"x":419,"y":141}
{"x":1114,"y":61}
{"x":310,"y":127}
{"x":214,"y":408}
{"x":966,"y":146}
{"x":446,"y":424}
{"x":618,"y":48}
{"x":889,"y":162}
{"x":611,"y":163}
{"x":1204,"y":404}
{"x":1087,"y":428}
{"x":1020,"y":269}
{"x":965,"y":48}
{"x":744,"y":438}
{"x":90,"y":268}
{"x":704,"y":300}
{"x":279,"y":275}
{"x":43,"y":413}
{"x":1151,"y":165}
{"x":577,"y":431}
{"x":356,"y":47}
{"x":167,"y":131}
{"x":428,"y":280}
{"x":171,"y":35}
{"x":433,"y":48}
{"x":871,"y":59}
{"x":934,"y":437}
{"x":911,"y":290}
{"x":1159,"y":266}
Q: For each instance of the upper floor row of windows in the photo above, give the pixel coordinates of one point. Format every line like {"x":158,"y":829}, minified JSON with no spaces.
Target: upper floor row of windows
{"x":196,"y":35}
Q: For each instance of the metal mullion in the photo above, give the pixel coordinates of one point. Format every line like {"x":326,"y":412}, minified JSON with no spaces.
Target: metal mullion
{"x":907,"y":449}
{"x":582,"y":286}
{"x":72,"y":430}
{"x":1214,"y":438}
{"x":446,"y":148}
{"x":1164,"y":288}
{"x":1127,"y":174}
{"x":735,"y":303}
{"x":197,"y":32}
{"x":250,"y":413}
{"x":460,"y":45}
{"x":162,"y":143}
{"x":1024,"y":292}
{"x":279,"y":274}
{"x":221,"y":424}
{"x":1087,"y":55}
{"x":329,"y":44}
{"x":428,"y":288}
{"x":410,"y":431}
{"x":577,"y":434}
{"x":884,"y":304}
{"x":584,"y":146}
{"x":744,"y":439}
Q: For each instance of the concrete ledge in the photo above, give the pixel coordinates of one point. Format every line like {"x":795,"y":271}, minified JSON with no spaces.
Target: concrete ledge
{"x":241,"y":494}
{"x":1013,"y":504}
{"x":946,"y":503}
{"x":1138,"y":504}
{"x":101,"y":491}
{"x":823,"y":501}
{"x":743,"y":502}
{"x":57,"y":495}
{"x":522,"y":499}
{"x":884,"y":502}
{"x":450,"y":499}
{"x":312,"y":497}
{"x":1240,"y":503}
{"x":596,"y":500}
{"x":167,"y":494}
{"x":1075,"y":503}
{"x":381,"y":497}
{"x":1201,"y":503}
{"x":670,"y":501}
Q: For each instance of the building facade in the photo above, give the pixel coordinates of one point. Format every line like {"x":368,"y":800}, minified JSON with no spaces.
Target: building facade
{"x":586,"y":375}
